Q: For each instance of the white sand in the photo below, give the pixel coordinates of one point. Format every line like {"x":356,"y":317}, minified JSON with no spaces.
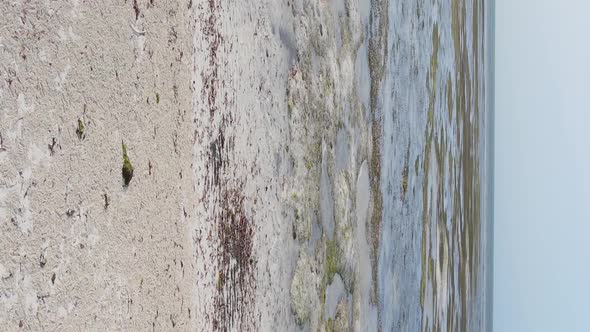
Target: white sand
{"x":70,"y":263}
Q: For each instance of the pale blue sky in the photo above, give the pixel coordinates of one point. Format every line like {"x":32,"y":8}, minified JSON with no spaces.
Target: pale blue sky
{"x":542,"y":166}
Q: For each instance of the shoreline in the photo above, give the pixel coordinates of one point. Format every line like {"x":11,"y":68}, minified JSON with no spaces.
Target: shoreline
{"x":339,"y":239}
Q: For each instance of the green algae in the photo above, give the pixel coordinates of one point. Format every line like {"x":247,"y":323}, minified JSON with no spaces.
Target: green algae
{"x":127,"y":170}
{"x":81,"y":130}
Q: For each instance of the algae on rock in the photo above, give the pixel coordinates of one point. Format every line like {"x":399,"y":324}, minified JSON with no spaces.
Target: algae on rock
{"x":341,"y":322}
{"x":302,"y":289}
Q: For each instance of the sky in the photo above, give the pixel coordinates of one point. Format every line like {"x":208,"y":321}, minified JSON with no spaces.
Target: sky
{"x":542,"y":166}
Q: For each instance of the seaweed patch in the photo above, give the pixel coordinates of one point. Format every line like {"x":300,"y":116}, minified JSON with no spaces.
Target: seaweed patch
{"x":127,"y":169}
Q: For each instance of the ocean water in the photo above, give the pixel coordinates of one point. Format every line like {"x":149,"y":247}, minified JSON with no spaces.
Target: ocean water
{"x":433,"y":261}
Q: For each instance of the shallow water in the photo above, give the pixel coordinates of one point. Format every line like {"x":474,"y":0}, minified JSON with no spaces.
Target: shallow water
{"x":432,"y":272}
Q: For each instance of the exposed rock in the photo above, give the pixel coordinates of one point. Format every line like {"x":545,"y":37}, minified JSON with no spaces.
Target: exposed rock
{"x":302,"y":289}
{"x":303,"y":227}
{"x":344,"y":227}
{"x":341,"y":321}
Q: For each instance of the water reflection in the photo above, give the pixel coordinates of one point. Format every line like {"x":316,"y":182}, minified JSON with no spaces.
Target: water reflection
{"x":430,"y":260}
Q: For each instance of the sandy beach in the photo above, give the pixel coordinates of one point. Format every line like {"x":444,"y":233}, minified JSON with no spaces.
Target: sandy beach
{"x":244,"y":195}
{"x":81,"y":251}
